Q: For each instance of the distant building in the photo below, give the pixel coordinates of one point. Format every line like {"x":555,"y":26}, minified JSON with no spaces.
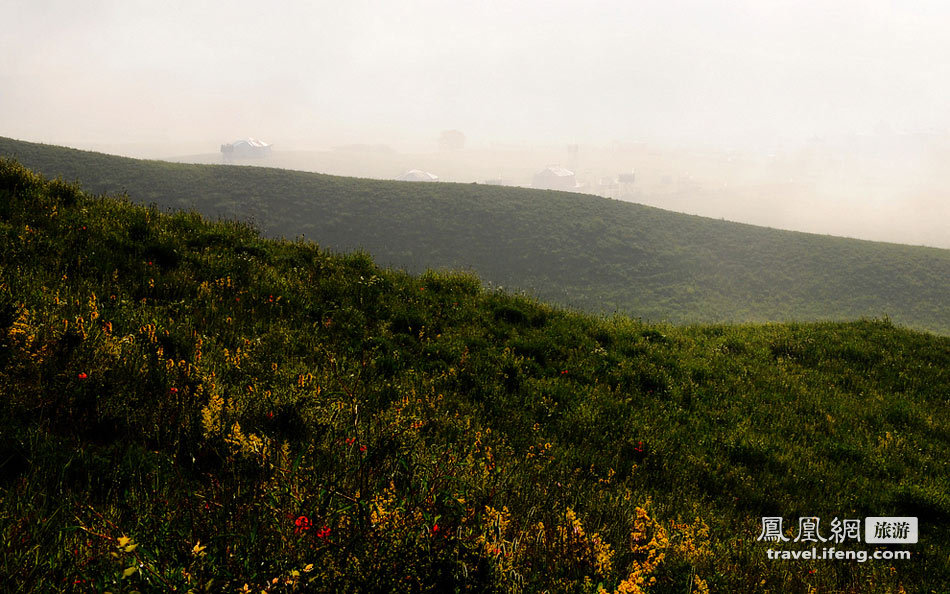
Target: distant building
{"x":418,"y":175}
{"x":246,"y":148}
{"x":555,"y":178}
{"x":607,"y":187}
{"x":626,"y":182}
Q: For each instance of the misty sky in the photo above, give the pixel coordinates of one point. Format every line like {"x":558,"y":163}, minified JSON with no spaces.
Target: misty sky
{"x":851,"y":98}
{"x":317,"y":73}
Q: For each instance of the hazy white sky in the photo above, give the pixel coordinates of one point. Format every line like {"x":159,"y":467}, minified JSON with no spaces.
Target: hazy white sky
{"x":324,"y":72}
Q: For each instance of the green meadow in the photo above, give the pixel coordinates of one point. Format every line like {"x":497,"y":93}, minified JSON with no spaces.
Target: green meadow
{"x":189,"y":406}
{"x":589,"y":253}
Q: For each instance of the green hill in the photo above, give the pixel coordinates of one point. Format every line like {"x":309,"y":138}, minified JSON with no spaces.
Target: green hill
{"x":591,"y":253}
{"x":189,"y":406}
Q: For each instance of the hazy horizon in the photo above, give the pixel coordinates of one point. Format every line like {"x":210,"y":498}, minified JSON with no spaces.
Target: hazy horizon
{"x":825,"y":117}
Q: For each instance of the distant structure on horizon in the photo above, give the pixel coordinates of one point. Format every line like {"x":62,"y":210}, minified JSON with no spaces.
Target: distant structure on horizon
{"x":246,"y":148}
{"x":626,"y":181}
{"x":418,"y":175}
{"x":554,"y":177}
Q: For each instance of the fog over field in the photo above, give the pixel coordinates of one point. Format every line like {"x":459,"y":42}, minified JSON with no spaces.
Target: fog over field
{"x":829,"y":117}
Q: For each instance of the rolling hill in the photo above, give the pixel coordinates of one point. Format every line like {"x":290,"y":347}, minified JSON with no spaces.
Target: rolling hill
{"x":191,"y":407}
{"x":591,"y":253}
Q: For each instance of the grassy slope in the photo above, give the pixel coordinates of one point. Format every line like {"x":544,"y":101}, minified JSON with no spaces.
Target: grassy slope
{"x":593,"y":253}
{"x":381,"y":405}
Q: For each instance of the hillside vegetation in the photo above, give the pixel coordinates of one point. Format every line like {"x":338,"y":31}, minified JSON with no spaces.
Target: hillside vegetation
{"x":188,"y":406}
{"x":591,"y":253}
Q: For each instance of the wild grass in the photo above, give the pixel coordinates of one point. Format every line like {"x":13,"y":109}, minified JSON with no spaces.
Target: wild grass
{"x":191,"y":407}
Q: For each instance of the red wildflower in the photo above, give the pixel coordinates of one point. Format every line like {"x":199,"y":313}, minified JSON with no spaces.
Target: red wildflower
{"x":350,"y":440}
{"x":435,"y":528}
{"x":302,"y":524}
{"x":82,"y":376}
{"x":323,"y":532}
{"x":362,"y":449}
{"x":173,"y":390}
{"x":564,"y":372}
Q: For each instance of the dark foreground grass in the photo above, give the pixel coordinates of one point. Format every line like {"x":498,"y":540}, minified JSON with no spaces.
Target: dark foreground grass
{"x":187,"y":406}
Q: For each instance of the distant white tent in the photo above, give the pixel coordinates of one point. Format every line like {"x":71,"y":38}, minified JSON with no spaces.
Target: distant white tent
{"x":555,"y":178}
{"x":418,"y":175}
{"x":245,"y":148}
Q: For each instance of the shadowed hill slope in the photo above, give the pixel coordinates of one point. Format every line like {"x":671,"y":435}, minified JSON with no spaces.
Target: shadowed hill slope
{"x":592,"y":253}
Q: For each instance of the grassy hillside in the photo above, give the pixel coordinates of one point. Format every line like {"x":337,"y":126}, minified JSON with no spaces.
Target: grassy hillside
{"x":596,"y":254}
{"x":190,"y":406}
